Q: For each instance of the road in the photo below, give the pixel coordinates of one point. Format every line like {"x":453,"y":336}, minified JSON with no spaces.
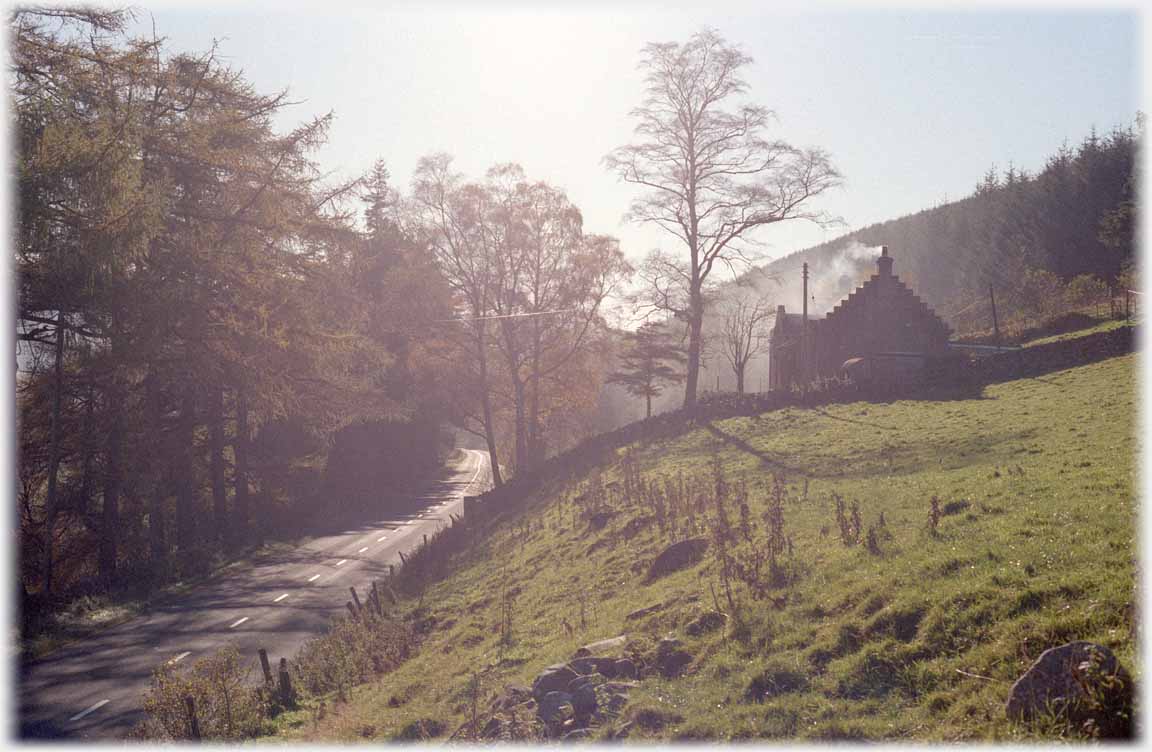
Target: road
{"x":94,"y":688}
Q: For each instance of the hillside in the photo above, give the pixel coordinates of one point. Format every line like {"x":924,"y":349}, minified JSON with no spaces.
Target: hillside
{"x":902,"y":632}
{"x":1076,"y":216}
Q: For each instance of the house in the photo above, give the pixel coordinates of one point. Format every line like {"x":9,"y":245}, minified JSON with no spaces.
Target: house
{"x":885,"y":329}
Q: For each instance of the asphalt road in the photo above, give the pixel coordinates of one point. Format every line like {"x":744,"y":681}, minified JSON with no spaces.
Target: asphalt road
{"x":94,"y":688}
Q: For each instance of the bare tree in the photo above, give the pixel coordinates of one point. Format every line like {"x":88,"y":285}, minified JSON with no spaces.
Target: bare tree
{"x":741,"y":335}
{"x":711,"y":176}
{"x":452,"y":214}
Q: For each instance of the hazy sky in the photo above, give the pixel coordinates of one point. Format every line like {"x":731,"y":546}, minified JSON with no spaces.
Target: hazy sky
{"x":913,"y":105}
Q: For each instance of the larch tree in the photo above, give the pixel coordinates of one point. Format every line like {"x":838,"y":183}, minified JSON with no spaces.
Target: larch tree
{"x":711,"y":176}
{"x":650,"y":362}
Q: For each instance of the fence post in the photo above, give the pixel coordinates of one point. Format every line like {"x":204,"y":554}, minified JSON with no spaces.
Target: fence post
{"x":193,"y":723}
{"x":264,"y":665}
{"x":376,"y":599}
{"x":286,"y":697}
{"x":355,"y":598}
{"x":352,"y":610}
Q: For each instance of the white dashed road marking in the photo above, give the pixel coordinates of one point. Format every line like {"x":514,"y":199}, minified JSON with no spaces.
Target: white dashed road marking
{"x":341,"y":562}
{"x":181,"y":657}
{"x":313,"y":577}
{"x":280,"y":598}
{"x":362,"y":550}
{"x":237,"y":623}
{"x":381,"y":538}
{"x":94,"y":708}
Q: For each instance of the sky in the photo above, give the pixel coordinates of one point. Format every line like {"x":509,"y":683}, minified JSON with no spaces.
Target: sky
{"x":914,"y":105}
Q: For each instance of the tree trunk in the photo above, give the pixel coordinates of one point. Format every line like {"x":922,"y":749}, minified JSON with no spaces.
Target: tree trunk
{"x":240,"y":451}
{"x":185,"y":473}
{"x":85,"y":499}
{"x":739,"y":379}
{"x":648,"y":402}
{"x":110,"y":514}
{"x":216,"y":464}
{"x":486,"y":407}
{"x":157,"y":533}
{"x":521,"y":460}
{"x":692,"y":373}
{"x":535,"y":440}
{"x":50,"y":501}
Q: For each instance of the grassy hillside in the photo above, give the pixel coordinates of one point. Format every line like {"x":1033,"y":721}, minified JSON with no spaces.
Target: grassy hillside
{"x":919,"y":637}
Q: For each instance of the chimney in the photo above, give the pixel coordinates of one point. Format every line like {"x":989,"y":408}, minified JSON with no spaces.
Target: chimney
{"x":884,"y":263}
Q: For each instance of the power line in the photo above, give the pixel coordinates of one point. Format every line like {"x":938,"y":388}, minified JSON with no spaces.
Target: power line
{"x":507,"y":316}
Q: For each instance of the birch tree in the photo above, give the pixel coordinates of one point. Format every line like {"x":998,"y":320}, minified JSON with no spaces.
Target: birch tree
{"x":711,"y":176}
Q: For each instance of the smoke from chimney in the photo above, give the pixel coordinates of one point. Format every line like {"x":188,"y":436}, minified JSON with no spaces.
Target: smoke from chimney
{"x":830,"y":279}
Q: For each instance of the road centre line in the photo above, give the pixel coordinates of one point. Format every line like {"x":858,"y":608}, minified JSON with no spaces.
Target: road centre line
{"x":237,"y":623}
{"x":313,"y":577}
{"x":181,"y":657}
{"x":381,"y":538}
{"x":339,"y":563}
{"x":362,"y":550}
{"x":280,"y":597}
{"x":83,"y":713}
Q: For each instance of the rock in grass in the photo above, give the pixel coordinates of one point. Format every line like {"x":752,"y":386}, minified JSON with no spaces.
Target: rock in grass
{"x":706,"y":622}
{"x":1081,"y":683}
{"x":555,"y":707}
{"x":610,"y":646}
{"x":553,"y":679}
{"x":640,"y":613}
{"x":671,"y":658}
{"x":624,"y":668}
{"x":679,"y":555}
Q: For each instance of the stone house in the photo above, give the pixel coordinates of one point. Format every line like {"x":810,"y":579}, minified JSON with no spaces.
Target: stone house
{"x":882,"y":332}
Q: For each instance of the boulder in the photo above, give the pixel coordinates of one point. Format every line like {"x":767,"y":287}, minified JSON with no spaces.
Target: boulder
{"x":624,"y":668}
{"x":671,"y":658}
{"x":706,"y":622}
{"x":553,"y":679}
{"x":1081,"y":682}
{"x":555,"y":707}
{"x":679,"y":555}
{"x":612,"y":645}
{"x":584,"y":700}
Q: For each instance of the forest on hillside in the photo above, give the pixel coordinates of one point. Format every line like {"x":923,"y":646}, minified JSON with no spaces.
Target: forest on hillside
{"x":1045,"y":241}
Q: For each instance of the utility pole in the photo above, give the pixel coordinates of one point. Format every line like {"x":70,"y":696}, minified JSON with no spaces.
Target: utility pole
{"x":804,"y":331}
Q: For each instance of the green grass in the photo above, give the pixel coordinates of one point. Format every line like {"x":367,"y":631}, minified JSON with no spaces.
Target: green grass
{"x":919,"y":642}
{"x":1106,"y":325}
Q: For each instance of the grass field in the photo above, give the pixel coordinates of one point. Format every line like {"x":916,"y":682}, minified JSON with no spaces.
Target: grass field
{"x":919,"y":639}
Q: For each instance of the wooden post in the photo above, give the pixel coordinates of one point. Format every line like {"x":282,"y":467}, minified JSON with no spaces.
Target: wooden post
{"x":286,"y":697}
{"x":995,"y":320}
{"x":391,"y":570}
{"x":355,"y":598}
{"x":1127,"y":304}
{"x":376,"y":599}
{"x":352,"y":610}
{"x":193,"y":724}
{"x":264,"y":665}
{"x":425,"y":540}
